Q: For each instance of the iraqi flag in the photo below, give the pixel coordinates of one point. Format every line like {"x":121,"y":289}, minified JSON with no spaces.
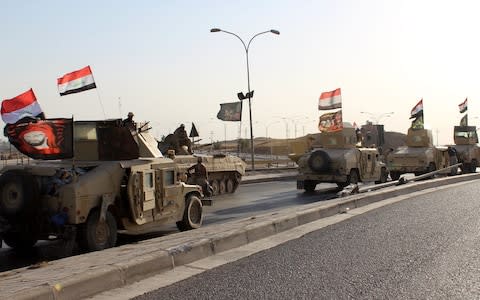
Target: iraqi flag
{"x":22,"y":106}
{"x":463,"y":106}
{"x":75,"y":82}
{"x":417,"y":109}
{"x":330,"y":100}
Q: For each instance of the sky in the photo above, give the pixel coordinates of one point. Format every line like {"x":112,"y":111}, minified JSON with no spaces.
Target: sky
{"x":159,"y":60}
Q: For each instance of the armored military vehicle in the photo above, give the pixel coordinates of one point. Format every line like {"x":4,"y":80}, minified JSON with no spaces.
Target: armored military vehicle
{"x":419,"y":156}
{"x":224,"y":171}
{"x":338,"y":160}
{"x":466,"y":144}
{"x":117,"y":181}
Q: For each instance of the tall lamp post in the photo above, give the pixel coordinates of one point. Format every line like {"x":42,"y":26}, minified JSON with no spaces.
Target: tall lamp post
{"x":377,"y":117}
{"x":249,"y":95}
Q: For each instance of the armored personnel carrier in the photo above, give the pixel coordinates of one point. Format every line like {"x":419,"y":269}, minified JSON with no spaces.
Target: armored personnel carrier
{"x":419,"y":156}
{"x":116,"y":181}
{"x":338,"y":160}
{"x":224,"y":171}
{"x":466,"y":144}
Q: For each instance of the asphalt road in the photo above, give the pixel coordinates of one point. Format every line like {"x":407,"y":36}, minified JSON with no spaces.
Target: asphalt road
{"x":421,"y":248}
{"x":249,"y":200}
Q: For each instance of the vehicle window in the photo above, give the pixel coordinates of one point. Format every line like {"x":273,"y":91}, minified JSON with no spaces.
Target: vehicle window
{"x":169,"y":177}
{"x":148,"y":180}
{"x":85,"y":132}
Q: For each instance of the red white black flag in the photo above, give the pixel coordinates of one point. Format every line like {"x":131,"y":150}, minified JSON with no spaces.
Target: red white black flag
{"x":22,"y":106}
{"x":330,"y":100}
{"x":75,"y":82}
{"x":417,"y":109}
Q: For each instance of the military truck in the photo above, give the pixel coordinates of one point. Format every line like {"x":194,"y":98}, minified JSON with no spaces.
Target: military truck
{"x":466,"y":144}
{"x":117,"y":181}
{"x":224,"y":171}
{"x":419,"y":156}
{"x":338,"y":160}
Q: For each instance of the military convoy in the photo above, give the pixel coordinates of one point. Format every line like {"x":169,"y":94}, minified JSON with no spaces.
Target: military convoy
{"x":466,"y":145}
{"x":338,"y":159}
{"x":117,"y":181}
{"x":419,"y":156}
{"x":224,"y":171}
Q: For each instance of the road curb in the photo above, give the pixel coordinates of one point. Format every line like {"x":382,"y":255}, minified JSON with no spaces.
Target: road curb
{"x":165,"y":253}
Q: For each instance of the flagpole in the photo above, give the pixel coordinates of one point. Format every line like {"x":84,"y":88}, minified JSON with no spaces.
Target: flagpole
{"x":98,"y":96}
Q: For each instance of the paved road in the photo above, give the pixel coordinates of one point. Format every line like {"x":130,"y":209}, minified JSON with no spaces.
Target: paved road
{"x":249,"y":200}
{"x":426,"y":247}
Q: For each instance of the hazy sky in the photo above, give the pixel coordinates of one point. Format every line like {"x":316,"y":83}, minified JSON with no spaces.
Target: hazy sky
{"x":159,"y":60}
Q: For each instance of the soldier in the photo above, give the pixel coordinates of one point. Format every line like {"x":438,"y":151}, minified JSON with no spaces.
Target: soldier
{"x":129,"y":123}
{"x":200,"y":176}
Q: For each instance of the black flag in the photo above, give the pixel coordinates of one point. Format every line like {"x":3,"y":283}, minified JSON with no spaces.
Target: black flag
{"x":193,"y":131}
{"x":230,"y":111}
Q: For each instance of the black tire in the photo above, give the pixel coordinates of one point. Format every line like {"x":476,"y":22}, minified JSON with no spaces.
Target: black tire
{"x":215,"y":186}
{"x":18,"y":194}
{"x":383,"y":176}
{"x":222,"y":187}
{"x":353,"y":178}
{"x":192,"y":215}
{"x":19,"y":240}
{"x":230,"y":186}
{"x":394,"y":175}
{"x":473,"y":166}
{"x":309,"y":185}
{"x":95,"y":235}
{"x":319,"y":161}
{"x":431,"y":167}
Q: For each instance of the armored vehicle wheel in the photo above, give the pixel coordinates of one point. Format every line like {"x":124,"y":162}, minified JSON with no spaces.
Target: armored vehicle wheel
{"x":473,"y":166}
{"x":431,"y":167}
{"x":215,"y":186}
{"x":222,"y":187}
{"x":96,"y":235}
{"x":394,"y":175}
{"x":230,"y":186}
{"x":383,"y":176}
{"x":19,"y":240}
{"x":18,"y":196}
{"x":319,"y":161}
{"x":353,"y":177}
{"x":192,"y":216}
{"x":309,"y":185}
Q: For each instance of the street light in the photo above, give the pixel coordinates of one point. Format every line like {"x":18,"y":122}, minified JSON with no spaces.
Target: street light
{"x":249,"y":95}
{"x":376,"y":118}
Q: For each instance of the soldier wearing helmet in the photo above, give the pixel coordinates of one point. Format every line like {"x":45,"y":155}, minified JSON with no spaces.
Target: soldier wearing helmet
{"x":129,"y":123}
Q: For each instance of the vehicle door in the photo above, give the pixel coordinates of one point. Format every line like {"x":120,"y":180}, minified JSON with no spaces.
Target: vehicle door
{"x":141,"y":193}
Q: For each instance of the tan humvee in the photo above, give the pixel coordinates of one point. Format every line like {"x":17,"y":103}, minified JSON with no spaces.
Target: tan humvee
{"x":466,"y":144}
{"x":419,"y":156}
{"x":118,"y":181}
{"x":338,"y":160}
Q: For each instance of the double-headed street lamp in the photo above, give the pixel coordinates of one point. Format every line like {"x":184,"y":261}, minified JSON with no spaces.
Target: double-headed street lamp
{"x":376,"y":118}
{"x":249,"y":95}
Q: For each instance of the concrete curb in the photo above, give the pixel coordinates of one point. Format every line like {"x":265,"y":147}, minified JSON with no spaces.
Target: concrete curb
{"x":96,"y":272}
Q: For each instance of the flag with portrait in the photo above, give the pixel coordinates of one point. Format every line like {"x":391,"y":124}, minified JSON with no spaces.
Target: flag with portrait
{"x":230,"y":111}
{"x":331,"y":122}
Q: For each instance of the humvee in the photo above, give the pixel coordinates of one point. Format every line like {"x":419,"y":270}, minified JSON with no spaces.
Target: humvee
{"x":117,"y":181}
{"x":419,"y":156}
{"x":466,"y":144}
{"x":338,"y":160}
